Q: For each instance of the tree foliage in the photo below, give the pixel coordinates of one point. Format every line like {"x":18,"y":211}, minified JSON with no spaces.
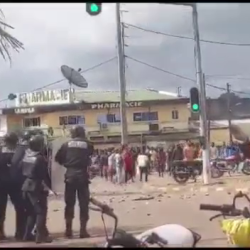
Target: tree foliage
{"x":7,"y":41}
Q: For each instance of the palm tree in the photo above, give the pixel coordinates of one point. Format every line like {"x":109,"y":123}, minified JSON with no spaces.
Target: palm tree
{"x":7,"y":41}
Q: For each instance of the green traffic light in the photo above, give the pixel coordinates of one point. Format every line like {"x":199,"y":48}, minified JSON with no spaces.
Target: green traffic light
{"x":94,"y":8}
{"x":195,"y":107}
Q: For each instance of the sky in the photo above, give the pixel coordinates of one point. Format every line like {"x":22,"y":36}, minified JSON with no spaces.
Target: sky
{"x":58,"y":34}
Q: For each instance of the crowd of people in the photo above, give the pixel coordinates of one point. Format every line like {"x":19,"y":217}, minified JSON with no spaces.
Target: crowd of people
{"x":122,"y":164}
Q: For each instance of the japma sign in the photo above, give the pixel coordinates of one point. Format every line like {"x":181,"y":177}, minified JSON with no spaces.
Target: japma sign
{"x":43,"y":97}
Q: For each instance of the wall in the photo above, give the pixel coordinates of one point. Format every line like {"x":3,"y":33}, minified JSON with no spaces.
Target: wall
{"x":218,"y":136}
{"x":164,"y":116}
{"x":3,"y":125}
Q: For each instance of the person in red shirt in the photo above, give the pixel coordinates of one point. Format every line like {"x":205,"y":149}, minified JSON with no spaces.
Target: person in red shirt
{"x":128,"y":163}
{"x":161,"y":161}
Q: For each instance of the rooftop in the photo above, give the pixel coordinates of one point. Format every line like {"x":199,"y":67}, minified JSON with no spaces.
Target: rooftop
{"x":113,"y":96}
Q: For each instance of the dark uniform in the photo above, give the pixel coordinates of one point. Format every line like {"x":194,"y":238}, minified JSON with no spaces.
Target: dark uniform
{"x":9,"y":186}
{"x":74,"y":156}
{"x":34,"y":169}
{"x":18,"y":178}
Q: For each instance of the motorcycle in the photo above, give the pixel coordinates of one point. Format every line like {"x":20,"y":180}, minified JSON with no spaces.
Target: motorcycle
{"x":182,"y":171}
{"x":167,"y":235}
{"x":229,"y":165}
{"x":229,"y":210}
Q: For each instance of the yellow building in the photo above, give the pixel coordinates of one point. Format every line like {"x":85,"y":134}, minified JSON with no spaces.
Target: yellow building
{"x":150,"y":116}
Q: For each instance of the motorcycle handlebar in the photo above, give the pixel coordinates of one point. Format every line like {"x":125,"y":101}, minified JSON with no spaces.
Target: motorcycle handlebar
{"x":220,"y":208}
{"x":228,"y":210}
{"x":103,"y":207}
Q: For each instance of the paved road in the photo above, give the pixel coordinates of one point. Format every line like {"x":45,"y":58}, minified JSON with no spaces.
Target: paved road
{"x":137,"y":216}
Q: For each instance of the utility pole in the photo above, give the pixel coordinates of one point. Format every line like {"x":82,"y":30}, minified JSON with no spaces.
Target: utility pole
{"x":207,"y":114}
{"x":123,"y":52}
{"x":202,"y":86}
{"x":121,"y":67}
{"x":229,"y":112}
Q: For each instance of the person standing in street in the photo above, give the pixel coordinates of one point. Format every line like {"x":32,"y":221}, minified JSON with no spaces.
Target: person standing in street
{"x":118,"y":166}
{"x":143,"y":165}
{"x":8,"y":186}
{"x":214,"y":153}
{"x":35,"y":171}
{"x":161,"y":162}
{"x":74,"y":155}
{"x":111,"y":165}
{"x":104,"y":164}
{"x":18,"y":179}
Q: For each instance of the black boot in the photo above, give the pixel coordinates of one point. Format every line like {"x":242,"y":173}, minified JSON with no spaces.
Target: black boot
{"x":83,"y":230}
{"x":68,"y":231}
{"x":28,"y":236}
{"x":40,"y":227}
{"x":20,"y":226}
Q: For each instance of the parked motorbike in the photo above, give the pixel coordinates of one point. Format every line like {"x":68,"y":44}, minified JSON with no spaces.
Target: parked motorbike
{"x":182,"y":171}
{"x":169,"y":235}
{"x":229,"y":165}
{"x":229,"y":210}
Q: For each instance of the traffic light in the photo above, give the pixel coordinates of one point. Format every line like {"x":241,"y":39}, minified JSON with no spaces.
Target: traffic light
{"x":194,"y":100}
{"x":94,"y":8}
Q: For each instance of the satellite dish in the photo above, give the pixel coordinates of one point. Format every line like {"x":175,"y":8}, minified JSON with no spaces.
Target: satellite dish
{"x":74,"y":77}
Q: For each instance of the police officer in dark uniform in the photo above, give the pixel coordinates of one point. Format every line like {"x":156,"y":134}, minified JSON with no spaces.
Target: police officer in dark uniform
{"x":74,"y":156}
{"x":34,"y":169}
{"x":8,"y":186}
{"x":18,"y":178}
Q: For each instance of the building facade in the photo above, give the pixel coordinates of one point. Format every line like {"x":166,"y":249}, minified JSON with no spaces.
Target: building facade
{"x":150,"y":116}
{"x":147,"y":113}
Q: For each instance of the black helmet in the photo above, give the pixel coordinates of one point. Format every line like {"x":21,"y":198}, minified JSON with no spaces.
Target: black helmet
{"x":11,"y":138}
{"x":77,"y":131}
{"x":36,"y":143}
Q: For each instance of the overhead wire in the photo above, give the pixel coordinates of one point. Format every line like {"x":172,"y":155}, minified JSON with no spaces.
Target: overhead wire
{"x":186,"y":37}
{"x":182,"y":77}
{"x":61,"y":80}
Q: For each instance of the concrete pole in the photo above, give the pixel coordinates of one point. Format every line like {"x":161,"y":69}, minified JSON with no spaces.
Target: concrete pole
{"x":201,"y":83}
{"x":124,"y":129}
{"x":229,"y":113}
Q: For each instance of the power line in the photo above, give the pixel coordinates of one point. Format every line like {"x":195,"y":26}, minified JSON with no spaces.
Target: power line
{"x":82,"y":71}
{"x":183,"y":77}
{"x":163,"y":70}
{"x":236,"y":77}
{"x":187,"y":38}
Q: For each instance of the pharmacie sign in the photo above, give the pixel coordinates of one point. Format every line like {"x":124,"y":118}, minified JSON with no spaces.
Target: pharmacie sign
{"x":44,"y":97}
{"x":114,"y":105}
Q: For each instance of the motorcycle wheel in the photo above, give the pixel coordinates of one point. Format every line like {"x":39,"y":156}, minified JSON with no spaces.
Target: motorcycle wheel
{"x":246,"y":168}
{"x":216,"y":172}
{"x":181,"y":178}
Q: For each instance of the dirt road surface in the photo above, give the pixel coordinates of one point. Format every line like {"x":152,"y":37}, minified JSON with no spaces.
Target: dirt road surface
{"x":167,"y":206}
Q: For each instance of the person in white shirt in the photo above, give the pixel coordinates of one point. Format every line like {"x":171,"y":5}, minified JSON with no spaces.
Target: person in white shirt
{"x":118,"y":166}
{"x":143,"y":165}
{"x":111,"y":165}
{"x":213,"y":152}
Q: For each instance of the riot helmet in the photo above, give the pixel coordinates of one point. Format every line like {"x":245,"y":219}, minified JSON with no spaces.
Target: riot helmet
{"x":11,"y":139}
{"x":36,"y":143}
{"x":77,"y":131}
